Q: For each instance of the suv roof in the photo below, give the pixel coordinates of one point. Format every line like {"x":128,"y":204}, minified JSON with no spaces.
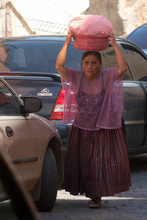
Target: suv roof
{"x":44,"y":38}
{"x":35,"y":37}
{"x":55,"y":37}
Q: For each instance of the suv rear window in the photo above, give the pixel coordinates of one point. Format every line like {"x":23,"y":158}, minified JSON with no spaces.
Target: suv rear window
{"x":38,"y":56}
{"x":109,"y":60}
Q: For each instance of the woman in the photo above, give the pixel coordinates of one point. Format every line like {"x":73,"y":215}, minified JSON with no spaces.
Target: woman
{"x":96,"y":162}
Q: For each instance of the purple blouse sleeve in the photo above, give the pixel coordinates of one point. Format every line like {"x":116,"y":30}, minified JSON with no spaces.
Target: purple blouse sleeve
{"x":70,"y":85}
{"x":111,"y":112}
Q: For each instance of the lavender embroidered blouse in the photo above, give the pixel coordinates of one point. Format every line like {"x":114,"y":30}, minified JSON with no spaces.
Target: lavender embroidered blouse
{"x":95,"y":104}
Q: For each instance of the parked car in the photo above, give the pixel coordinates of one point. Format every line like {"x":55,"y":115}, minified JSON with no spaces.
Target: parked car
{"x":33,"y":144}
{"x":20,"y":205}
{"x":29,"y":67}
{"x":139,"y":37}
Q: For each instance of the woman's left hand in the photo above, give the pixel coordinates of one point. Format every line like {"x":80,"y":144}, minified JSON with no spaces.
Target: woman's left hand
{"x":119,"y":55}
{"x":112,"y":39}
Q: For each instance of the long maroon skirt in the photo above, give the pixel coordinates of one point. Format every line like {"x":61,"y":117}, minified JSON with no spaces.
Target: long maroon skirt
{"x":97,"y":163}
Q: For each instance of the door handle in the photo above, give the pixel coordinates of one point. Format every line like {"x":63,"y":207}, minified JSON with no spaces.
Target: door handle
{"x":9,"y":131}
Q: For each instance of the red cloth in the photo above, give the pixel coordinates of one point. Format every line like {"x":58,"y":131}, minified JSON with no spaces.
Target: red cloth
{"x":91,"y":32}
{"x":93,"y":25}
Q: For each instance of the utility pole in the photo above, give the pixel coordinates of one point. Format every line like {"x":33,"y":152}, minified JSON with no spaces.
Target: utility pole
{"x":20,"y":18}
{"x":8,"y":15}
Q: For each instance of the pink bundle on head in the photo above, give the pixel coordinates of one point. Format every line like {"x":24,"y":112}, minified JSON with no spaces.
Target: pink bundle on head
{"x":91,"y":32}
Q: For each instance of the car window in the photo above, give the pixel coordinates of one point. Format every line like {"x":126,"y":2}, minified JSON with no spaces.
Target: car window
{"x":8,"y":104}
{"x":138,"y":61}
{"x":38,"y":56}
{"x":44,"y":89}
{"x":109,"y":60}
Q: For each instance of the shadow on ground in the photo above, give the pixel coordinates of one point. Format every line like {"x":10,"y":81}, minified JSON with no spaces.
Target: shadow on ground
{"x":138,"y":163}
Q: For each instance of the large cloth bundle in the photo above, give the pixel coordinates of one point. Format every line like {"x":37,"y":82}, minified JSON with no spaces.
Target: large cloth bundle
{"x":91,"y":32}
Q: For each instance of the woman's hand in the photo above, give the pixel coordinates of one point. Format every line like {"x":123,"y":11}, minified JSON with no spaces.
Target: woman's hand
{"x":68,"y":38}
{"x":62,"y":55}
{"x":119,"y":55}
{"x":112,"y":39}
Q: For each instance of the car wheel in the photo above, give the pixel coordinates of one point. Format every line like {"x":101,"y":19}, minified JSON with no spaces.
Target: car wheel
{"x":48,"y":183}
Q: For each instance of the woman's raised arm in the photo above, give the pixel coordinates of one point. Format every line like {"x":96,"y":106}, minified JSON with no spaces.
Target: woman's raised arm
{"x":62,"y":56}
{"x":119,"y":55}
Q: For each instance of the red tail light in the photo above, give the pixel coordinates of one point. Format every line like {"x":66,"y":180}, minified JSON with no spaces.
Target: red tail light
{"x":57,"y":112}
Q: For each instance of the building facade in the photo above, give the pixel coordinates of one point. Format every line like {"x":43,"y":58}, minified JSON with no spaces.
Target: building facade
{"x":125,"y":15}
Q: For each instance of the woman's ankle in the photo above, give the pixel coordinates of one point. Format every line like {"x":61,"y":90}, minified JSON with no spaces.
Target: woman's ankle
{"x":97,"y":199}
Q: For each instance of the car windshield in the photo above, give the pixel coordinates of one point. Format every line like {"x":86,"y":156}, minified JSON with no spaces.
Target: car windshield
{"x":37,"y":56}
{"x":139,"y":37}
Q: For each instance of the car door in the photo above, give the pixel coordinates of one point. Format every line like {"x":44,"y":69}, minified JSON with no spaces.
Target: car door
{"x":21,"y":140}
{"x":134,"y":98}
{"x":139,"y":66}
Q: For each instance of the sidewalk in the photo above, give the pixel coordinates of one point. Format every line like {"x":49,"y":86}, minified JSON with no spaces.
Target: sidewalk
{"x":130,"y":205}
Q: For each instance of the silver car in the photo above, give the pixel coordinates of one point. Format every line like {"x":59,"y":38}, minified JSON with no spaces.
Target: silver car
{"x":33,"y":144}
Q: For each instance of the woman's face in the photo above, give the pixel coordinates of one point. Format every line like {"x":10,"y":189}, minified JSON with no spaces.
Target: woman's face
{"x":91,"y":66}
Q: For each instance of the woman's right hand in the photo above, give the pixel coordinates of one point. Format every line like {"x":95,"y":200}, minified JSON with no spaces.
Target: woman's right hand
{"x":62,"y":55}
{"x":68,"y":38}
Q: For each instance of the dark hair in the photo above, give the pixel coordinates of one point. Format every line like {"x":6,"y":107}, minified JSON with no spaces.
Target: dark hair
{"x":96,"y":53}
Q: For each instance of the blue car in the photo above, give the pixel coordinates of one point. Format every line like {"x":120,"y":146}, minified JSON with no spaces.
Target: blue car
{"x":139,"y":37}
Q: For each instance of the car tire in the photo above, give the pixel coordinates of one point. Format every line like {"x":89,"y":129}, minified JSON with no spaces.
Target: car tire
{"x":48,"y":183}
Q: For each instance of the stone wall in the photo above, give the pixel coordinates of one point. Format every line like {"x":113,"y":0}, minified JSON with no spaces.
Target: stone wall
{"x":108,"y":8}
{"x":133,"y":13}
{"x":125,"y":15}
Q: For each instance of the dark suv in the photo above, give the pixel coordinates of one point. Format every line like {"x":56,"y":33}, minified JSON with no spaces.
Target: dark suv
{"x":29,"y":67}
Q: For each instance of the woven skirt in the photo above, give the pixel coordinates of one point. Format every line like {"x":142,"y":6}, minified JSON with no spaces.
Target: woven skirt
{"x":96,"y":163}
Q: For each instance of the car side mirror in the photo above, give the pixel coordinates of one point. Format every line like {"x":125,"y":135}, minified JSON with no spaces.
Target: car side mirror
{"x":32,"y":104}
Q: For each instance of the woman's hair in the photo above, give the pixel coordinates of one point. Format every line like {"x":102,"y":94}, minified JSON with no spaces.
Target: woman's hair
{"x":96,"y":53}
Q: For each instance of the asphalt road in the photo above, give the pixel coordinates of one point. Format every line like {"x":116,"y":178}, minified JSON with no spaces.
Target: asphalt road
{"x":130,"y":205}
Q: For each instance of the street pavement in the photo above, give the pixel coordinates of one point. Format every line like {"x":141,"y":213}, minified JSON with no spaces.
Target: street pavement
{"x":130,"y":205}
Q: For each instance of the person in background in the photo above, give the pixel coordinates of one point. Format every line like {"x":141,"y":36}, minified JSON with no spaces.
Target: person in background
{"x":96,"y":162}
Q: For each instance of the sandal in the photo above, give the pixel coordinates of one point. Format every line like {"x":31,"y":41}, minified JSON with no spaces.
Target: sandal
{"x":93,"y":204}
